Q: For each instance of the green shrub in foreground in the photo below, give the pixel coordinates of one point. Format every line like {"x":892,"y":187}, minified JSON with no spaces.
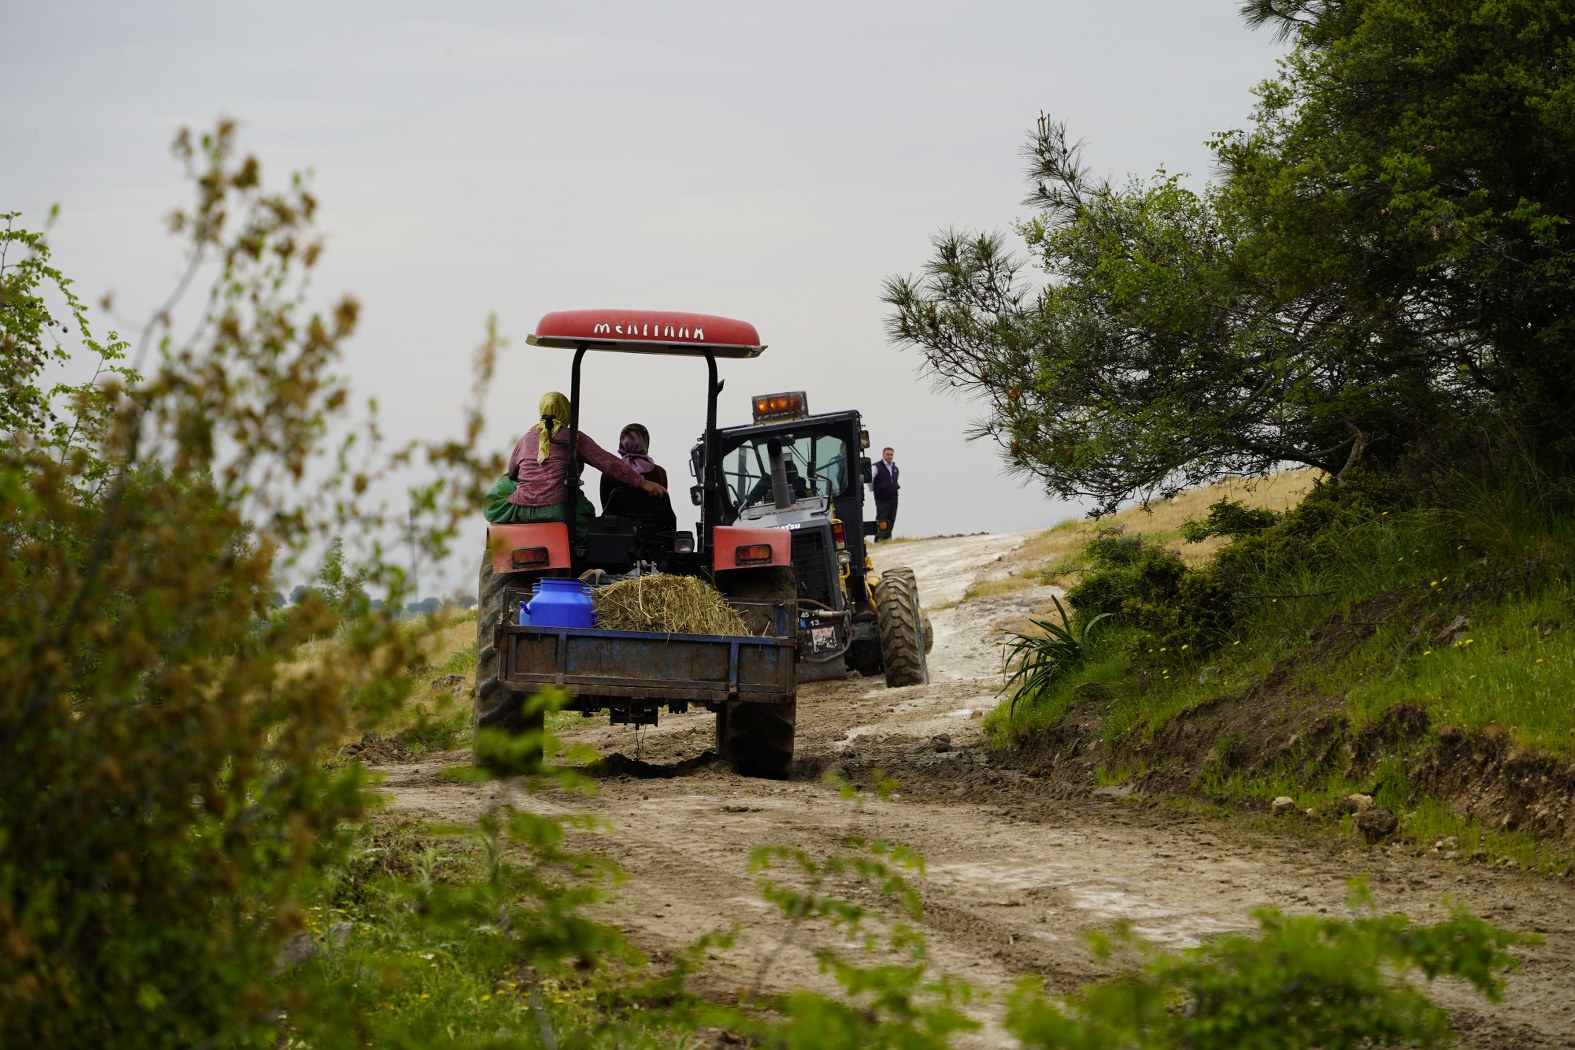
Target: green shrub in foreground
{"x":1303,"y":981}
{"x":163,"y":803}
{"x":160,"y":794}
{"x":1298,"y":982}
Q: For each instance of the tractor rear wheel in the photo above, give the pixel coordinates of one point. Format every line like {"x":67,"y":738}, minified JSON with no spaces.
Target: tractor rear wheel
{"x":899,"y":619}
{"x":497,"y":707}
{"x":756,"y":739}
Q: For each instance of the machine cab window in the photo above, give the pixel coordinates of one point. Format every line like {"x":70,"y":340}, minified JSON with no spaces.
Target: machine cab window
{"x":816,"y":467}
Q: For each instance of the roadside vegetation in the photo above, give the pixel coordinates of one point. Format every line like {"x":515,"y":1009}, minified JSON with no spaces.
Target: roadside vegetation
{"x":1360,"y":642}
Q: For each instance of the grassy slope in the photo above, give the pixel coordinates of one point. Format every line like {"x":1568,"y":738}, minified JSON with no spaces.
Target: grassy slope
{"x":1427,"y":663}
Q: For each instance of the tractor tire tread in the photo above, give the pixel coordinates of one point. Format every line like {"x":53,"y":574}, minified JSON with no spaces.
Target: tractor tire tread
{"x":496,"y":707}
{"x":898,"y":618}
{"x":756,"y":739}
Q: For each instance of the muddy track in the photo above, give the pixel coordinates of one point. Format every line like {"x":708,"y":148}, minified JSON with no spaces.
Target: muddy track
{"x":1012,"y":874}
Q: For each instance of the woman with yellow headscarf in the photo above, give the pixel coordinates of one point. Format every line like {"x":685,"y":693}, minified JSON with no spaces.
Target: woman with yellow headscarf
{"x":539,"y":464}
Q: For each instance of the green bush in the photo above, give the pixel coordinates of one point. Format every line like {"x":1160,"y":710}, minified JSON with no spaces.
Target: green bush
{"x":1304,"y":981}
{"x":1317,"y":528}
{"x":1228,"y":517}
{"x":1150,"y":589}
{"x":1340,"y":538}
{"x":1125,"y":568}
{"x":162,"y":798}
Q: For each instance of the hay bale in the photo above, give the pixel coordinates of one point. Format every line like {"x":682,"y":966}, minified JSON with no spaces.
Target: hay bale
{"x":666,"y":603}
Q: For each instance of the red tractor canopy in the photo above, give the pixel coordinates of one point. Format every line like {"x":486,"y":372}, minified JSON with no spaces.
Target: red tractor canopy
{"x":648,"y":332}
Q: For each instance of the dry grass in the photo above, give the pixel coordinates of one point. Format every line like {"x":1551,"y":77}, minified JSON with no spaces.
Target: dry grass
{"x":1163,"y":519}
{"x":670,"y":604}
{"x":435,"y":636}
{"x":1000,"y":585}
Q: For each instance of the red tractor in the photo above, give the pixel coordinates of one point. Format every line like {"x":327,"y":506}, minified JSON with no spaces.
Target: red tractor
{"x":749,"y":682}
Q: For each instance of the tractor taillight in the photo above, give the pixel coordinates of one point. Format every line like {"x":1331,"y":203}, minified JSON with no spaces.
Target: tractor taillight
{"x":528,"y":557}
{"x":753,"y":554}
{"x":839,"y":535}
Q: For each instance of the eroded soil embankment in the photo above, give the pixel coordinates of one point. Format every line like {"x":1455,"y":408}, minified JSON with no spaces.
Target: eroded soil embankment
{"x":1278,"y":729}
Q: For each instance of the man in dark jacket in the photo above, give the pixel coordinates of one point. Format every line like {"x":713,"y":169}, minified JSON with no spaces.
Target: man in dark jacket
{"x":885,"y":485}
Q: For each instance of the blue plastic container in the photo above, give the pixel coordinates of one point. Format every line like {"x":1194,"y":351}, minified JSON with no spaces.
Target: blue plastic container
{"x":562,"y":603}
{"x":535,"y":589}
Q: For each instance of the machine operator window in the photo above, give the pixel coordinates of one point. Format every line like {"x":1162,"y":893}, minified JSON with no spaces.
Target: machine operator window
{"x":817,"y":465}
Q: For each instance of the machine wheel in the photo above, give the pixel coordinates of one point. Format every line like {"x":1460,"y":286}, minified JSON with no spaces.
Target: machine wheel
{"x":496,"y":706}
{"x":757,"y":739}
{"x":898,"y":617}
{"x":904,"y":572}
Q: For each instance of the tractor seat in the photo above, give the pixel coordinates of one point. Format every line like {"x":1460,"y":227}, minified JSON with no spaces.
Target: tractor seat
{"x":641,"y":508}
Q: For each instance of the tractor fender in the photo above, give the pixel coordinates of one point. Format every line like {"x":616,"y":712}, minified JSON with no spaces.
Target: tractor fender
{"x":528,"y":548}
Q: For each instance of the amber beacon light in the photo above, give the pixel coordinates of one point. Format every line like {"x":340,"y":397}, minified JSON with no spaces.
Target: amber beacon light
{"x":790,"y":405}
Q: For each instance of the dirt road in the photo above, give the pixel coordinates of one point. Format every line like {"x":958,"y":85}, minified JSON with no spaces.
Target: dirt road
{"x":1011,"y":875}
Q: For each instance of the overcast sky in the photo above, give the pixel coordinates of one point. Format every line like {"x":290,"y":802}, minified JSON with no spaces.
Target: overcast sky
{"x":771,"y":162}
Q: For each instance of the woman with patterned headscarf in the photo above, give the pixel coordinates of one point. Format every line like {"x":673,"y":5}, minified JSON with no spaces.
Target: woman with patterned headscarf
{"x":540,"y":462}
{"x":634,"y":445}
